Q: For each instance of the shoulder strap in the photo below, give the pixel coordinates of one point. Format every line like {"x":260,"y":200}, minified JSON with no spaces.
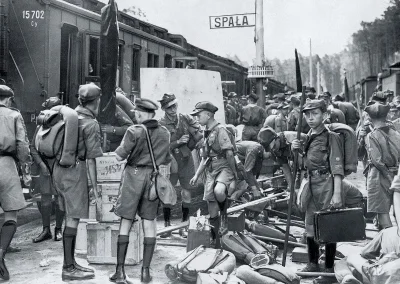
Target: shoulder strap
{"x":150,"y":145}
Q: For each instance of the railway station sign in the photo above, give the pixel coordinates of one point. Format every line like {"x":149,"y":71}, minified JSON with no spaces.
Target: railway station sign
{"x":233,"y":21}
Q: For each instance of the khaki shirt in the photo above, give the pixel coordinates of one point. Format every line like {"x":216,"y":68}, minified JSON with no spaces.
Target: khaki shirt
{"x":253,"y":115}
{"x":293,"y":119}
{"x":13,"y":137}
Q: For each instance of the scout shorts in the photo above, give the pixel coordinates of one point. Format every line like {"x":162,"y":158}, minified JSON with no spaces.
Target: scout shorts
{"x":133,"y":194}
{"x":185,"y":172}
{"x":218,"y":172}
{"x":73,"y":192}
{"x":11,"y":196}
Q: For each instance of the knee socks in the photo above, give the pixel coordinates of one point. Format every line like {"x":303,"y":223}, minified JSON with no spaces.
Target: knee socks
{"x":69,"y":237}
{"x":330,"y":252}
{"x":148,"y":250}
{"x":167,"y":214}
{"x":7,"y":234}
{"x":122,"y":247}
{"x":46,"y":210}
{"x":185,"y":211}
{"x":313,"y":250}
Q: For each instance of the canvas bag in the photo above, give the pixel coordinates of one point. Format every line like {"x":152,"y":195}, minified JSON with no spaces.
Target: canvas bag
{"x":160,"y":186}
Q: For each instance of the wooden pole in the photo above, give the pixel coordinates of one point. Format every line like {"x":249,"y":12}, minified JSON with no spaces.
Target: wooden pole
{"x":262,"y":238}
{"x":230,"y":210}
{"x":295,"y":163}
{"x":259,"y":38}
{"x":311,"y":69}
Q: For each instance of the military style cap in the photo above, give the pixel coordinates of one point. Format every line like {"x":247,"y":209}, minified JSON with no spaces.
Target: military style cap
{"x":145,"y":105}
{"x":232,"y":95}
{"x":280,"y":96}
{"x":51,"y":102}
{"x":311,"y":95}
{"x":339,"y":98}
{"x":392,"y":106}
{"x":379,"y":96}
{"x":377,"y":110}
{"x":253,"y":96}
{"x":313,"y":104}
{"x":88,"y":92}
{"x":202,"y":106}
{"x":266,"y":135}
{"x":168,"y":100}
{"x":6,"y":91}
{"x":295,"y":99}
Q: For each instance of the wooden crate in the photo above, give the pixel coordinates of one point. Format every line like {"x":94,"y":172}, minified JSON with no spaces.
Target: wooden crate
{"x":236,"y":221}
{"x":196,"y":237}
{"x":105,"y":209}
{"x":108,"y":168}
{"x":81,"y":237}
{"x":102,"y":243}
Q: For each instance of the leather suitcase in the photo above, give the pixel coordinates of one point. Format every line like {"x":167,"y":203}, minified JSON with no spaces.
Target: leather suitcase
{"x":341,"y":225}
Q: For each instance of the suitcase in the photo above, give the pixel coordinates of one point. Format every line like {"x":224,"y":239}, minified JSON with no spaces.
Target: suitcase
{"x":341,"y":225}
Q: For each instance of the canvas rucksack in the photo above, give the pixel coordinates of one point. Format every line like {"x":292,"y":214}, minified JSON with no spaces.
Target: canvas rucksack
{"x":57,"y":134}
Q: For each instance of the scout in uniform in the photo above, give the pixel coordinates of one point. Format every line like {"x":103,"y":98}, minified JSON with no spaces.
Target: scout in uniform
{"x":72,"y":182}
{"x":182,"y":128}
{"x":135,"y":185}
{"x":250,"y":155}
{"x":253,"y":119}
{"x":47,"y":189}
{"x":351,"y":114}
{"x":219,"y":162}
{"x":383,"y":149}
{"x":294,"y":115}
{"x":233,"y":106}
{"x":280,"y":119}
{"x":14,"y":148}
{"x":323,"y":159}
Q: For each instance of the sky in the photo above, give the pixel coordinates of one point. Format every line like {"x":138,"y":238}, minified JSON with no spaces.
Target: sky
{"x":288,"y":24}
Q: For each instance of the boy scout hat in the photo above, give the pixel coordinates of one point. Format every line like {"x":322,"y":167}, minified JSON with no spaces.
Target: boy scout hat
{"x":325,"y":95}
{"x":377,"y":110}
{"x":6,"y":91}
{"x":232,"y":95}
{"x":294,"y":99}
{"x":339,"y":98}
{"x":311,"y":95}
{"x":168,"y":100}
{"x":253,"y":96}
{"x":283,"y":106}
{"x":51,"y":102}
{"x":379,"y":96}
{"x":266,"y":135}
{"x":145,"y":105}
{"x":202,"y":106}
{"x":88,"y":92}
{"x":313,"y":104}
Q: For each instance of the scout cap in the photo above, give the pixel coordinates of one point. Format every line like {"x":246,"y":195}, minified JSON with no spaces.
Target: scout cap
{"x":202,"y":106}
{"x":6,"y":91}
{"x":283,"y":106}
{"x":253,"y":97}
{"x":232,"y":95}
{"x":145,"y":105}
{"x":377,"y":110}
{"x":379,"y":96}
{"x":280,"y":96}
{"x":313,"y":104}
{"x":294,"y":100}
{"x":311,"y":95}
{"x":325,"y":95}
{"x":88,"y":92}
{"x":266,"y":135}
{"x":168,"y":100}
{"x":339,"y":98}
{"x":51,"y":102}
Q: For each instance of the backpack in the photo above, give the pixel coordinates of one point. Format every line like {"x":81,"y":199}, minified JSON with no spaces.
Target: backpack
{"x":200,"y":260}
{"x":57,"y":134}
{"x":349,"y":139}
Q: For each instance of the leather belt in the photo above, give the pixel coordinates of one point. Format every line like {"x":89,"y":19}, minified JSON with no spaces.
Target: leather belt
{"x":215,"y":158}
{"x":318,"y":172}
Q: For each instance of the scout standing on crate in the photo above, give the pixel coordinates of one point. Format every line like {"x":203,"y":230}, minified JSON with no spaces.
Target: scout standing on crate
{"x":72,"y":182}
{"x":134,"y":189}
{"x":323,"y":159}
{"x":218,"y":159}
{"x":383,"y":149}
{"x":182,"y":128}
{"x":14,"y":146}
{"x":47,"y":189}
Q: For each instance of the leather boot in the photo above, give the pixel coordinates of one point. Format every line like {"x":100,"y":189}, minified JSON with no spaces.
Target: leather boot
{"x":122,"y":247}
{"x":57,"y":234}
{"x":223,"y":227}
{"x":72,"y":273}
{"x":44,"y":235}
{"x":215,"y":239}
{"x":313,"y":256}
{"x":145,"y":275}
{"x":168,"y":234}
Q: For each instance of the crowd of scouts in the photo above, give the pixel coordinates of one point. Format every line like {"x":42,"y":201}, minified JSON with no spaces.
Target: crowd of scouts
{"x":231,"y":158}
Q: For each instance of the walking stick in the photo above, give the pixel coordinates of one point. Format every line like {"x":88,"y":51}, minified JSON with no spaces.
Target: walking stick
{"x":295,"y":162}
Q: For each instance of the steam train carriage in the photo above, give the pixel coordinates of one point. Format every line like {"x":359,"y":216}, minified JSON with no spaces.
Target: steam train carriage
{"x":50,"y":47}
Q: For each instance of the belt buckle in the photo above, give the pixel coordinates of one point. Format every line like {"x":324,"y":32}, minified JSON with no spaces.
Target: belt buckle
{"x":214,"y":158}
{"x":176,"y":150}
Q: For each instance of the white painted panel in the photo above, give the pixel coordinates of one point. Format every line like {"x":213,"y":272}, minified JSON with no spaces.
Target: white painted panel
{"x":190,"y":86}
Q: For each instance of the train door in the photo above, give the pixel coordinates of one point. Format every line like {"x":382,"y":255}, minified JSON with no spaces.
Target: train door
{"x":69,"y":65}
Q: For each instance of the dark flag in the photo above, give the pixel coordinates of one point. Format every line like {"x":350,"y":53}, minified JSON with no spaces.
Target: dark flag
{"x":299,"y":83}
{"x":346,"y":89}
{"x":108,"y":60}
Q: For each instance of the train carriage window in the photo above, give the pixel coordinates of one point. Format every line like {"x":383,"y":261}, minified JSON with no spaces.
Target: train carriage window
{"x":94,"y":56}
{"x":135,"y":87}
{"x":168,"y":61}
{"x":178,"y":64}
{"x":120,"y":65}
{"x":152,"y":60}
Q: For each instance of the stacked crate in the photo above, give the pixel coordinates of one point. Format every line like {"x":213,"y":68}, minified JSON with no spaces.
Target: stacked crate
{"x":102,"y":232}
